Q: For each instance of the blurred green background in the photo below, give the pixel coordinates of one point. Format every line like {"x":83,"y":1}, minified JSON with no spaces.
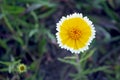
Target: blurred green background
{"x":27,"y":35}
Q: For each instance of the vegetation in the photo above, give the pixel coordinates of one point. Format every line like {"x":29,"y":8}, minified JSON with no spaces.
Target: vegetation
{"x":27,"y":36}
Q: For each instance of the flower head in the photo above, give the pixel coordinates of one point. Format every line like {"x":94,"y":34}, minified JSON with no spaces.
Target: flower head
{"x":22,"y":68}
{"x":75,"y":33}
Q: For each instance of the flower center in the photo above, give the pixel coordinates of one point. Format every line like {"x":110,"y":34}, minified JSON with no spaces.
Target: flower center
{"x":74,"y":33}
{"x":22,"y":68}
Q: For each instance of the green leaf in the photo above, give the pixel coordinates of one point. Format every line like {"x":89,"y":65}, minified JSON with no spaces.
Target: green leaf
{"x":89,"y":71}
{"x":4,"y":69}
{"x":50,"y":35}
{"x":87,"y":56}
{"x":68,"y":61}
{"x":33,"y":32}
{"x":35,"y":17}
{"x":70,"y":57}
{"x":113,"y":39}
{"x":46,"y":14}
{"x":78,"y":76}
{"x":10,"y":68}
{"x":1,"y":16}
{"x":7,"y":21}
{"x":5,"y":63}
{"x":41,"y":46}
{"x":107,"y":36}
{"x":110,"y":12}
{"x":3,"y":44}
{"x":19,"y":40}
{"x":13,"y":9}
{"x":117,"y":71}
{"x":33,"y":7}
{"x":42,"y":2}
{"x":24,"y":23}
{"x":45,"y":3}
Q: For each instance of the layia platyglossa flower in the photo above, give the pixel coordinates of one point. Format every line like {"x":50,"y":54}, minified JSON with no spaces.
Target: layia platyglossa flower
{"x":75,"y":32}
{"x":22,"y":68}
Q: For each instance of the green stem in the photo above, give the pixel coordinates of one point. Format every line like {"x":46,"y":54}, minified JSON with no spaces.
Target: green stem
{"x":79,"y":69}
{"x":78,"y":66}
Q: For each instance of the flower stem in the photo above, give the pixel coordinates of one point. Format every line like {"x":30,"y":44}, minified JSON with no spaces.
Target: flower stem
{"x":78,"y":66}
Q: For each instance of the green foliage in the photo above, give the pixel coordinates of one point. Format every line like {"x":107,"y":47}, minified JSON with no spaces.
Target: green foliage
{"x":11,"y":67}
{"x":25,"y":34}
{"x":79,"y":64}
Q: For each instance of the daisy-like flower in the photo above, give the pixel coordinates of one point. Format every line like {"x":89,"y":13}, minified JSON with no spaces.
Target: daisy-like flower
{"x":75,"y":32}
{"x":22,"y":68}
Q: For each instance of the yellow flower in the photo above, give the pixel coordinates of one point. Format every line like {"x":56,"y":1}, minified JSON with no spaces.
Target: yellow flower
{"x":22,"y":68}
{"x":75,"y":33}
